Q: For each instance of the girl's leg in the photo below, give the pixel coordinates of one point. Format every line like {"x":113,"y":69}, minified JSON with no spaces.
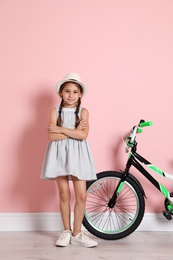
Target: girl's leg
{"x":64,"y":196}
{"x":80,"y":194}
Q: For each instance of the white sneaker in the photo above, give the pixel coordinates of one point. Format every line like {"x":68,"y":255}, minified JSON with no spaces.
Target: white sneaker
{"x":83,"y":240}
{"x":64,"y":238}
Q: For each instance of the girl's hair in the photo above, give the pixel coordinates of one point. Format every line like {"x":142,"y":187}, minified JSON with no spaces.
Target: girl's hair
{"x":59,"y":120}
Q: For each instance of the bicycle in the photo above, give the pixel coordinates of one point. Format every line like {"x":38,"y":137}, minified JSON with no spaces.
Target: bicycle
{"x":115,"y":202}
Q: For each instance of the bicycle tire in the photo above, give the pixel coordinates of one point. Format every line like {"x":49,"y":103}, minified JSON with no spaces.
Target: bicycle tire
{"x":119,"y":221}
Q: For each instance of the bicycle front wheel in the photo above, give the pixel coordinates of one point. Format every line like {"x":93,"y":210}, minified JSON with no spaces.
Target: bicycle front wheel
{"x":127,"y":213}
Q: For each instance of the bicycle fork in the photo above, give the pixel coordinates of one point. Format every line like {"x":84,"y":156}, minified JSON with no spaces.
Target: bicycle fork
{"x":120,"y":185}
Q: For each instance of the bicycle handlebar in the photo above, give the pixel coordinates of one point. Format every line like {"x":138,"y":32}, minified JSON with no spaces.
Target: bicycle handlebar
{"x":143,"y":124}
{"x":137,"y":129}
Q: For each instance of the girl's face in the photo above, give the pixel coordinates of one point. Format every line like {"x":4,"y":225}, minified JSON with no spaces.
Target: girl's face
{"x":70,"y":93}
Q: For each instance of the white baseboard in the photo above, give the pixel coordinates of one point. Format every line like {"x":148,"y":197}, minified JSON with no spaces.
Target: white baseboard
{"x":30,"y":221}
{"x":52,"y":222}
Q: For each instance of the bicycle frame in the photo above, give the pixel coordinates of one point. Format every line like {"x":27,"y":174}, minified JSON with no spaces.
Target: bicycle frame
{"x":136,"y":160}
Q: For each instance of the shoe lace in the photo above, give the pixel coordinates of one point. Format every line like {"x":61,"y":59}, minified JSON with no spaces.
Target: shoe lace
{"x":63,"y":234}
{"x":84,"y":236}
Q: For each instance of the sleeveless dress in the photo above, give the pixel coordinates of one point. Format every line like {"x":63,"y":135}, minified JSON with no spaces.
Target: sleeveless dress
{"x":68,"y":157}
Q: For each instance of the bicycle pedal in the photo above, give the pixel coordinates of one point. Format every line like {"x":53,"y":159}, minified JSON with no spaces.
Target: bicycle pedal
{"x":167,"y":215}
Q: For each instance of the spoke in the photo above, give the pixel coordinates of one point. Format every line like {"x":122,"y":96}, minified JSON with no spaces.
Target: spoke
{"x":101,"y":216}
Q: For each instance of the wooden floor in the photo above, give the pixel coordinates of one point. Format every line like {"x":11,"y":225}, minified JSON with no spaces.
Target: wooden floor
{"x":40,"y":245}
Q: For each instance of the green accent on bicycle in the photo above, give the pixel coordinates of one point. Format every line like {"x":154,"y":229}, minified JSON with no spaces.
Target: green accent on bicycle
{"x":170,"y":207}
{"x":120,"y":187}
{"x":139,"y":130}
{"x":127,"y":141}
{"x":149,"y":123}
{"x":154,"y":168}
{"x":130,"y":154}
{"x":164,"y":191}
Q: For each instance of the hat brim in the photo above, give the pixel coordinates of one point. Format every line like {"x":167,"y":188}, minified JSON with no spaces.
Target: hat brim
{"x":59,"y":84}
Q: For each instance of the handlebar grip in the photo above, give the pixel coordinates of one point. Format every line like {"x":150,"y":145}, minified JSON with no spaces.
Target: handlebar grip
{"x":139,"y":130}
{"x":143,"y":124}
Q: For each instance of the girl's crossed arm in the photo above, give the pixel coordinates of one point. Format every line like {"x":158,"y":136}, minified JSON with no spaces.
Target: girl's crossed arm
{"x":52,"y":135}
{"x":59,"y":133}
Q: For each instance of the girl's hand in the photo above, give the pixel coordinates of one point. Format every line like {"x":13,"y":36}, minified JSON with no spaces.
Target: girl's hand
{"x":82,"y":125}
{"x":54,"y":129}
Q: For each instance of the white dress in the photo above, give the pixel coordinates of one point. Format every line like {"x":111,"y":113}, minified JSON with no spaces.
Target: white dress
{"x":68,"y":156}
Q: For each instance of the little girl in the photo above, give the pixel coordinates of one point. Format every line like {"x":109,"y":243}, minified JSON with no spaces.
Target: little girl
{"x":68,"y":157}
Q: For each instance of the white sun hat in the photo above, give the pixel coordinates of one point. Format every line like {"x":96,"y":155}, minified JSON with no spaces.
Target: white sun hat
{"x":71,"y":77}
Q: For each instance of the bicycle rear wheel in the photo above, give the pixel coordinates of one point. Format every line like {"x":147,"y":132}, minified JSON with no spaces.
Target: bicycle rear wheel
{"x":119,"y":221}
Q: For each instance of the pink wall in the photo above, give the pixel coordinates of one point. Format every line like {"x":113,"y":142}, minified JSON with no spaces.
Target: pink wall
{"x":123,"y":52}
